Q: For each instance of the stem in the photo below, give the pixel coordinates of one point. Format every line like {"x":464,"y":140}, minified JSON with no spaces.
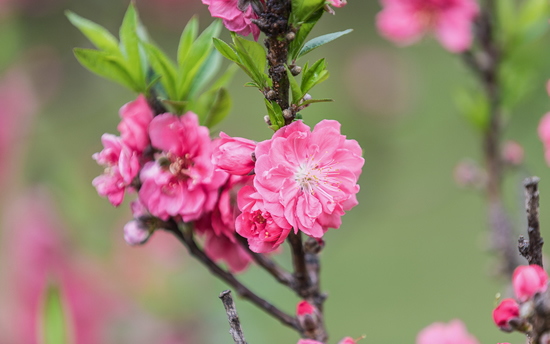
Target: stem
{"x":235,"y":324}
{"x":299,"y":263}
{"x":532,"y":250}
{"x":186,"y":238}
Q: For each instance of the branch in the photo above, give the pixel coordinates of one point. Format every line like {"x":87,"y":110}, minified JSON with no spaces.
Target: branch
{"x":186,"y":238}
{"x":235,"y":324}
{"x":281,"y":275}
{"x":532,"y":249}
{"x":299,"y":263}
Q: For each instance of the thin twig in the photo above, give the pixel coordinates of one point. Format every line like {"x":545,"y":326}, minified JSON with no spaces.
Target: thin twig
{"x":186,"y":238}
{"x":234,"y":323}
{"x":299,"y":262}
{"x":532,"y":250}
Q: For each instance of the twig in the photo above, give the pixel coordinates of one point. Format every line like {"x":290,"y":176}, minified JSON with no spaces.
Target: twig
{"x":532,"y":249}
{"x":235,"y":324}
{"x":312,"y":248}
{"x":282,"y":276}
{"x":186,"y":238}
{"x":299,"y":263}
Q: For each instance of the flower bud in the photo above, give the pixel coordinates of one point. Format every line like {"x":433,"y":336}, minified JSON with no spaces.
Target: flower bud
{"x":287,"y":114}
{"x":507,"y":310}
{"x":136,"y":233}
{"x":513,"y":153}
{"x":308,"y":341}
{"x":528,"y":281}
{"x":234,"y":155}
{"x":348,"y":340}
{"x":290,"y":36}
{"x":307,"y":315}
{"x":271,"y":95}
{"x":267,"y":120}
{"x":296,"y":70}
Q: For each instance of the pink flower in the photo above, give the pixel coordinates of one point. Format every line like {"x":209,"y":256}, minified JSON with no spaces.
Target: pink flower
{"x":453,"y":333}
{"x":508,"y":309}
{"x":529,"y":280}
{"x":137,"y":232}
{"x":309,"y":177}
{"x":307,"y":315}
{"x":133,"y":128}
{"x":406,"y":21}
{"x":121,"y":167}
{"x":513,"y":153}
{"x":308,"y":341}
{"x":264,"y":230}
{"x":181,"y":182}
{"x":234,"y":155}
{"x":544,"y":135}
{"x":220,"y":247}
{"x":338,"y":3}
{"x":348,"y":340}
{"x":303,"y":307}
{"x":233,"y":18}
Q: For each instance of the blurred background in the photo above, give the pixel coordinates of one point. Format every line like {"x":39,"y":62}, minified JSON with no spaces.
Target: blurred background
{"x":413,"y":252}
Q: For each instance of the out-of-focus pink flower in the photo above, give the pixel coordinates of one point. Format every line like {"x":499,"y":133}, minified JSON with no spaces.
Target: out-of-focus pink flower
{"x":234,"y":155}
{"x":508,"y":309}
{"x":529,"y":280}
{"x":544,"y":135}
{"x":264,"y":230}
{"x":234,"y":18}
{"x":338,"y":3}
{"x":121,"y":167}
{"x":468,"y":174}
{"x":308,"y":341}
{"x":303,"y":307}
{"x":453,"y":333}
{"x":513,"y":153}
{"x":219,"y":227}
{"x":310,"y":177}
{"x":181,"y":182}
{"x":406,"y":21}
{"x":137,"y":231}
{"x":348,"y":340}
{"x":134,"y":126}
{"x":307,"y":315}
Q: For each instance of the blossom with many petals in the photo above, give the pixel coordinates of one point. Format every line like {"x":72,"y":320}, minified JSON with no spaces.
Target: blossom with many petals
{"x":135,"y":118}
{"x":182,"y":181}
{"x":234,"y":19}
{"x":406,"y":21}
{"x":529,"y":280}
{"x":453,"y":333}
{"x":338,"y":3}
{"x":234,"y":155}
{"x":508,"y":309}
{"x":309,"y":177}
{"x":121,"y":167}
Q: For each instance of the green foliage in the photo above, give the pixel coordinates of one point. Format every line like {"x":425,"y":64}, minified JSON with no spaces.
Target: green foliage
{"x":54,"y":325}
{"x":297,"y":94}
{"x":523,"y":22}
{"x":304,"y":30}
{"x":321,"y":40}
{"x":275,"y":114}
{"x":314,"y":76}
{"x":474,"y":106}
{"x":303,"y":10}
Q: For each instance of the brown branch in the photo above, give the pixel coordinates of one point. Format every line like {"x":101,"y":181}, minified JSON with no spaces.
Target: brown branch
{"x":532,"y":249}
{"x":299,"y":263}
{"x":281,"y":275}
{"x":186,"y":238}
{"x":235,"y":324}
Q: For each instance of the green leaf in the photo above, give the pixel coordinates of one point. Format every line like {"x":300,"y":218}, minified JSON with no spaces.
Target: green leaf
{"x":226,"y":50}
{"x":198,"y":54}
{"x":97,"y":34}
{"x":54,"y":325}
{"x":294,"y":87}
{"x":315,"y":75}
{"x":275,"y":114}
{"x":251,"y":84}
{"x":252,"y":56}
{"x":206,"y":73}
{"x":302,"y":10}
{"x":130,"y":44}
{"x":474,"y":107}
{"x":164,"y":67}
{"x":305,"y":29}
{"x":106,"y":65}
{"x":312,"y":101}
{"x":188,"y":36}
{"x":213,"y":106}
{"x":322,"y":40}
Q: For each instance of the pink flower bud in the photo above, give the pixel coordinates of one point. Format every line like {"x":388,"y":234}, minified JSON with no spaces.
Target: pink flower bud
{"x":136,"y":233}
{"x":307,"y":315}
{"x":507,"y":310}
{"x":234,"y":155}
{"x":134,"y":126}
{"x":513,"y":153}
{"x":529,"y":280}
{"x":338,"y":3}
{"x":348,"y":340}
{"x":308,"y":341}
{"x":304,"y":308}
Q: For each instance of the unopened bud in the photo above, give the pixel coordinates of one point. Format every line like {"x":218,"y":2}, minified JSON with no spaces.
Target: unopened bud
{"x":296,"y":70}
{"x":136,"y":232}
{"x":271,"y":95}
{"x":290,"y":36}
{"x":287,"y":114}
{"x":307,"y":315}
{"x":506,"y":311}
{"x":512,"y":153}
{"x":267,"y":120}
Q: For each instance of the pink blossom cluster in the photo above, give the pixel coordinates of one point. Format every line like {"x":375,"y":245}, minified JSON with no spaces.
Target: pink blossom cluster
{"x":234,"y":18}
{"x":454,"y":332}
{"x":303,"y":180}
{"x":527,"y":282}
{"x":406,"y":21}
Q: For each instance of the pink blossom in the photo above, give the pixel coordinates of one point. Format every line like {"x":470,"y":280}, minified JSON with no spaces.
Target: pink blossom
{"x":264,"y":230}
{"x":309,"y":177}
{"x":182,"y":181}
{"x":137,"y":231}
{"x":544,"y":135}
{"x":134,"y":125}
{"x":234,"y":155}
{"x":233,"y":18}
{"x":338,"y":3}
{"x":529,"y":280}
{"x":453,"y":333}
{"x":219,"y":227}
{"x":308,"y":341}
{"x":406,"y":21}
{"x":513,"y":153}
{"x":121,"y":167}
{"x":348,"y":340}
{"x":303,"y":307}
{"x":507,"y":310}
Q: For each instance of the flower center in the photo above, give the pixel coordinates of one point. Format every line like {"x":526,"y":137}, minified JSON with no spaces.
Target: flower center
{"x":315,"y":177}
{"x":179,"y":166}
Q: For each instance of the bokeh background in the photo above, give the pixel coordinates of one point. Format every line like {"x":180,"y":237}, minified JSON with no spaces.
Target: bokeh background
{"x":413,"y":252}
